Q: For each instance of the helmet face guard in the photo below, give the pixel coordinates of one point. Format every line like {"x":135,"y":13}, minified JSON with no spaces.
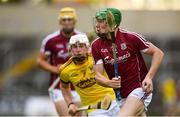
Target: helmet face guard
{"x":67,"y":14}
{"x":79,"y":59}
{"x":79,"y":40}
{"x":104,"y":15}
{"x":95,"y":21}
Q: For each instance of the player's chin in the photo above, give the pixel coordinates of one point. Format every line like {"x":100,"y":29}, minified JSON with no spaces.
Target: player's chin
{"x":102,"y":35}
{"x":68,"y":30}
{"x":78,"y":55}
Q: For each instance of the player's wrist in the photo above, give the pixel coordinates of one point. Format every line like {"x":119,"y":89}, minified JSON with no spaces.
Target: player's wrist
{"x":149,"y":76}
{"x":109,"y":84}
{"x":70,"y":104}
{"x":55,"y":69}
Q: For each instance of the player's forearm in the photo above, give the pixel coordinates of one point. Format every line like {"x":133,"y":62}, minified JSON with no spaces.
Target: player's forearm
{"x":101,"y":80}
{"x":46,"y":66}
{"x":66,"y":91}
{"x":157,"y":58}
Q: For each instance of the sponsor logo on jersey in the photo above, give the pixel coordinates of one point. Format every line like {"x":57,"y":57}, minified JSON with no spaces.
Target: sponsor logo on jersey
{"x":86,"y":83}
{"x":109,"y":60}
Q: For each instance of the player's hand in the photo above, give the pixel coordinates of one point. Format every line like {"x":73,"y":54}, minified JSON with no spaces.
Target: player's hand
{"x":147,"y":85}
{"x":115,"y":83}
{"x":55,"y":69}
{"x":72,"y":109}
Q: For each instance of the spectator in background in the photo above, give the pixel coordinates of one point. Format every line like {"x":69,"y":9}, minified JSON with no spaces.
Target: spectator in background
{"x":171,"y":96}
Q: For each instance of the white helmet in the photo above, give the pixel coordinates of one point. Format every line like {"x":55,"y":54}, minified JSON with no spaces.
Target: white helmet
{"x":81,"y":38}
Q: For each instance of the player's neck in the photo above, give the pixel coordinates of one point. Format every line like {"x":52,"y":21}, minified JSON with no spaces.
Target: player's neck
{"x":80,"y":63}
{"x":67,"y":35}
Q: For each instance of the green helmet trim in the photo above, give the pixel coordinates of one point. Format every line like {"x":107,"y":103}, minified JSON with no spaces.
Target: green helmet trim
{"x":101,"y":14}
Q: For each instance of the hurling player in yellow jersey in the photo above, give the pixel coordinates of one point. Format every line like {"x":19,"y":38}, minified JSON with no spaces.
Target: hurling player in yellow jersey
{"x":79,"y":71}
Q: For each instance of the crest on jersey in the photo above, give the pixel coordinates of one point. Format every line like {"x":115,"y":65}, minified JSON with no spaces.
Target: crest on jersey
{"x":123,"y":46}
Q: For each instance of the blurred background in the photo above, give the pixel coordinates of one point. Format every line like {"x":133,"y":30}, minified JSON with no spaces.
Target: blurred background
{"x":25,"y":23}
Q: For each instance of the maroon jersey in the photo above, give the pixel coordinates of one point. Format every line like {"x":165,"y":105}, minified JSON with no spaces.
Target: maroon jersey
{"x":132,"y":68}
{"x":55,"y":46}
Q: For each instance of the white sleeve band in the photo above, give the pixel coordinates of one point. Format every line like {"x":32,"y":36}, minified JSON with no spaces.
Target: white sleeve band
{"x":100,"y":61}
{"x":42,"y":49}
{"x":47,"y":53}
{"x":144,"y":50}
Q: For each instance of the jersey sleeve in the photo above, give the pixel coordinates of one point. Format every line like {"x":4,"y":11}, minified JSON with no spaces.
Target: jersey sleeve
{"x":140,"y":43}
{"x":45,"y":46}
{"x":64,"y":77}
{"x":97,"y":59}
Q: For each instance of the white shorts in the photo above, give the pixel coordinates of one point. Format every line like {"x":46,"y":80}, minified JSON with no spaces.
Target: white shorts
{"x":111,"y":112}
{"x":140,"y":94}
{"x":39,"y":106}
{"x":56,"y":95}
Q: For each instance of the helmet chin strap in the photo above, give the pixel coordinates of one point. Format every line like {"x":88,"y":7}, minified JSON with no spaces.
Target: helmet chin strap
{"x":79,"y":59}
{"x":104,"y":35}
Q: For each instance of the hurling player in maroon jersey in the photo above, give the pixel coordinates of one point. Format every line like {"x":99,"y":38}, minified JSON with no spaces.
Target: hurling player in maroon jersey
{"x":135,"y":81}
{"x":54,"y":52}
